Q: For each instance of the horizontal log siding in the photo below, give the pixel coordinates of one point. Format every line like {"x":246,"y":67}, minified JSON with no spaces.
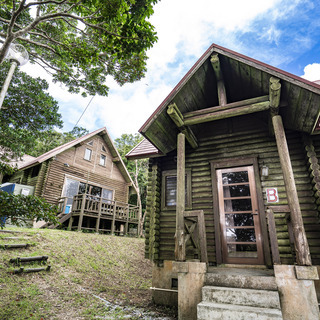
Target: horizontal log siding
{"x":312,"y":146}
{"x":244,"y":144}
{"x":56,"y":175}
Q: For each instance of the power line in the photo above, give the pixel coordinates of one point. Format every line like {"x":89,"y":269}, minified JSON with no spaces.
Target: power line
{"x":83,"y":112}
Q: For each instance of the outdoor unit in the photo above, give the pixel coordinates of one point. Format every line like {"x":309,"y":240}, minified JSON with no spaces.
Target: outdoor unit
{"x":16,"y":188}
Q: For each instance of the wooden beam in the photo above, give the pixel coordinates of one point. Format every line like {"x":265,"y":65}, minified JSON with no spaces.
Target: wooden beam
{"x":177,"y":117}
{"x":222,"y":96}
{"x":227,"y":113}
{"x":227,"y":106}
{"x":274,"y":95}
{"x":180,"y":246}
{"x":301,"y":242}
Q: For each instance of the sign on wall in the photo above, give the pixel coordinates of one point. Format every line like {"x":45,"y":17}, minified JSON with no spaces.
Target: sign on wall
{"x":272,"y":195}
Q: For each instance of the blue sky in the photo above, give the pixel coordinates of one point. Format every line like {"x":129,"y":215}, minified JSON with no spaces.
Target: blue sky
{"x":282,"y":33}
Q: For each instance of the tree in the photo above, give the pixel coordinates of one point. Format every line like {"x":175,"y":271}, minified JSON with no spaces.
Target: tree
{"x":138,"y":170}
{"x":22,"y":209}
{"x":81,"y":42}
{"x":27,"y":112}
{"x":51,"y":139}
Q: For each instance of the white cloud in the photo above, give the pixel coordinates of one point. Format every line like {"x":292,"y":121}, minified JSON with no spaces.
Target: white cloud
{"x":312,"y":72}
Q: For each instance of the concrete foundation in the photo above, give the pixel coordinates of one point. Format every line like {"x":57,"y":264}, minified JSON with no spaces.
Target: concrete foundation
{"x":191,"y":278}
{"x":164,"y":280}
{"x":297,"y":292}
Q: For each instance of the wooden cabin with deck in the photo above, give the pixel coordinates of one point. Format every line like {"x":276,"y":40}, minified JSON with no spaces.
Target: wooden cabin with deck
{"x":234,"y":191}
{"x":88,"y":181}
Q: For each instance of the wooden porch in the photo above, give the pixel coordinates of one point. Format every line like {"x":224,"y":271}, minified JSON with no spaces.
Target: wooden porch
{"x":98,"y":214}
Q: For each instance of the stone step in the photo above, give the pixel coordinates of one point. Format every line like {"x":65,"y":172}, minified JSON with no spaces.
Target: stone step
{"x":244,"y":297}
{"x":209,"y":310}
{"x":247,"y":281}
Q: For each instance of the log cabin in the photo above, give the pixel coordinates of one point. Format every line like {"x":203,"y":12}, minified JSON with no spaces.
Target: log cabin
{"x":234,"y":191}
{"x":88,"y":181}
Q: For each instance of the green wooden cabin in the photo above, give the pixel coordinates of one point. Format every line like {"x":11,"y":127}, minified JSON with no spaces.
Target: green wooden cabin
{"x":235,"y":145}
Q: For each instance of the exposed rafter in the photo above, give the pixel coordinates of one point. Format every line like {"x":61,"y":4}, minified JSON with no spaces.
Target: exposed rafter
{"x":177,"y":117}
{"x":222,"y":96}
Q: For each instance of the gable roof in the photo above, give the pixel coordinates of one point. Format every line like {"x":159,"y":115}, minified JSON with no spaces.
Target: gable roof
{"x":244,"y":78}
{"x":144,"y":149}
{"x":103,"y":133}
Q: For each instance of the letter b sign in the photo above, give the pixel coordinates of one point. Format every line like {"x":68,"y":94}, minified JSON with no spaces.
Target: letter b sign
{"x":272,"y":195}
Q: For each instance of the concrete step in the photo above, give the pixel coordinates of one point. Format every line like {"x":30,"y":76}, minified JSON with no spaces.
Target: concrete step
{"x":244,"y":297}
{"x":237,"y":279}
{"x":209,"y":310}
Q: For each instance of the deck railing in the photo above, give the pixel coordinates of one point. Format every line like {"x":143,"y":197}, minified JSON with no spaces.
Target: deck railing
{"x":89,"y":205}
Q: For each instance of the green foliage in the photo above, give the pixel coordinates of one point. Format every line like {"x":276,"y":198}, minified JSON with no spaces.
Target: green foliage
{"x":51,"y":139}
{"x":27,"y":112}
{"x":21,"y":209}
{"x":82,"y":42}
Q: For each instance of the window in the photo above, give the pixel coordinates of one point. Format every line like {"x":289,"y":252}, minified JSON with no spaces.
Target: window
{"x":103,"y":149}
{"x":90,"y":143}
{"x":87,"y":155}
{"x":169,"y":189}
{"x":102,"y":160}
{"x":35,"y":171}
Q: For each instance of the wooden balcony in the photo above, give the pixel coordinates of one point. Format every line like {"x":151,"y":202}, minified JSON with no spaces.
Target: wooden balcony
{"x":99,"y":214}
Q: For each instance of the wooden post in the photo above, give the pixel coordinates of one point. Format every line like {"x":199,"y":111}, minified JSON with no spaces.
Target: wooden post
{"x":180,"y":248}
{"x":99,"y":215}
{"x":113,"y":217}
{"x":301,"y":243}
{"x":127,"y":222}
{"x":83,"y":203}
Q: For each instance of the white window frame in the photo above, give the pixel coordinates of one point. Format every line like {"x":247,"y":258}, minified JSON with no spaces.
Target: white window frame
{"x":88,"y":156}
{"x":103,"y":160}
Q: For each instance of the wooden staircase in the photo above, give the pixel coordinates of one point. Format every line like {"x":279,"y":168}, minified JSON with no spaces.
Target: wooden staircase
{"x":240,"y":294}
{"x":62,"y":218}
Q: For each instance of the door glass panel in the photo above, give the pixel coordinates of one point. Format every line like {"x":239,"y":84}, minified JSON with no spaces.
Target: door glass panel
{"x":107,"y":194}
{"x":70,"y":190}
{"x":237,"y":205}
{"x":240,"y":235}
{"x":236,"y":191}
{"x":95,"y":191}
{"x":239,"y":220}
{"x":242,"y":250}
{"x":235,"y":177}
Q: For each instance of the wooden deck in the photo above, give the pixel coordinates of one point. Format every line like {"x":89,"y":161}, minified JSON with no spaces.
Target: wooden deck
{"x":99,"y":214}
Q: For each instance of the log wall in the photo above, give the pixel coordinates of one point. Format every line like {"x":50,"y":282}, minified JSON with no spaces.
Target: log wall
{"x":224,"y":142}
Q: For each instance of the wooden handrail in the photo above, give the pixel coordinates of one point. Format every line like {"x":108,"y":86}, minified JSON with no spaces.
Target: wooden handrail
{"x":273,"y":236}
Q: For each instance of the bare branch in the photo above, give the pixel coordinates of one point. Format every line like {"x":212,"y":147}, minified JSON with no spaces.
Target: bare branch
{"x":30,"y":4}
{"x":15,"y":15}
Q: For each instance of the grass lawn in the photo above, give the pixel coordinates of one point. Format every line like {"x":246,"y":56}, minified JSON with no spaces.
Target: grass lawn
{"x":85,"y":269}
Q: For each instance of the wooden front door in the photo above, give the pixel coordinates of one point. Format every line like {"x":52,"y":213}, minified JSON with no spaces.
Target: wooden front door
{"x":241,"y":238}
